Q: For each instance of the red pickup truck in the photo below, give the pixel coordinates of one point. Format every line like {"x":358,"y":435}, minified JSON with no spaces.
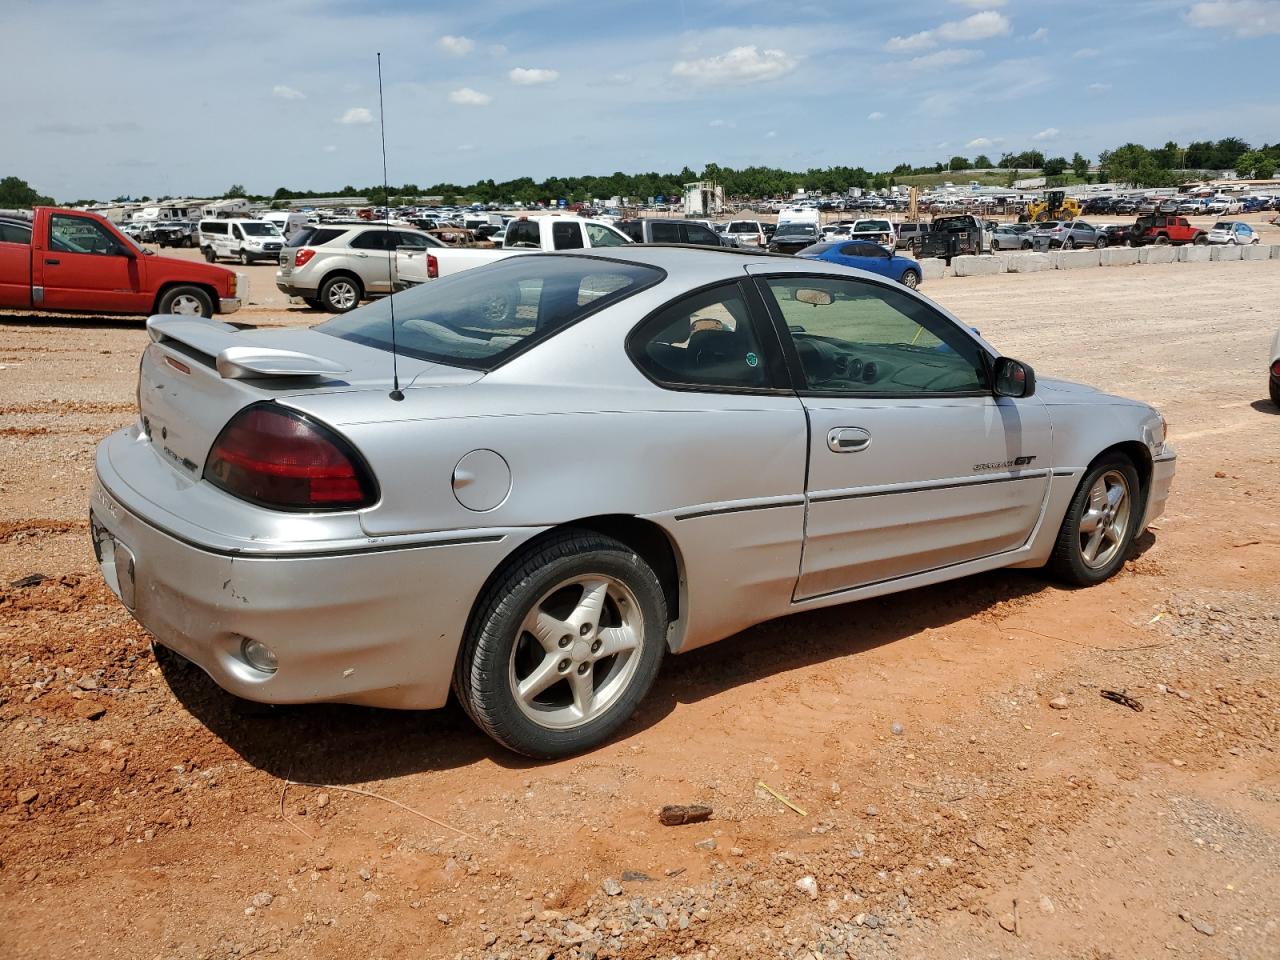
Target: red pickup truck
{"x":70,"y":261}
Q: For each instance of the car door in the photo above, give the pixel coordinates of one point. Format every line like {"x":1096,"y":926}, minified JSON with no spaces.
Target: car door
{"x":914,"y":464}
{"x":866,"y":256}
{"x":15,"y":265}
{"x":80,"y":265}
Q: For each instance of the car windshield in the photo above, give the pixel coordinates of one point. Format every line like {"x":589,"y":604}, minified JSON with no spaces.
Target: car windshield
{"x":260,"y":229}
{"x":479,"y":318}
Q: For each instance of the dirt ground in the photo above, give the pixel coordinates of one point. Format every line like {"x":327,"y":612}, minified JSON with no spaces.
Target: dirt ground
{"x":945,"y":809}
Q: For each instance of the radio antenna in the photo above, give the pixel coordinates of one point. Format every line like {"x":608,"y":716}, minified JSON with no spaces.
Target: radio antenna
{"x":396,"y":393}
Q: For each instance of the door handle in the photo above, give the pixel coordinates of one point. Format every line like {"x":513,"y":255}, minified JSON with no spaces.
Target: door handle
{"x":51,"y":263}
{"x":848,"y":440}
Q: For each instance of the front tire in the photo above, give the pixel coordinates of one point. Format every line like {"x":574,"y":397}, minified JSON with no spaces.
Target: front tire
{"x":245,"y":259}
{"x":563,"y":645}
{"x":186,"y":302}
{"x":910,"y":279}
{"x":209,"y":255}
{"x":1100,"y":523}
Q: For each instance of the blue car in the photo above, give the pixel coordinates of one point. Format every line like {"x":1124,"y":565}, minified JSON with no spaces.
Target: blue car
{"x":867,"y":255}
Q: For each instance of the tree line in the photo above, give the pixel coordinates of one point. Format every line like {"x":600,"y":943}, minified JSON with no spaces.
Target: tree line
{"x":1131,"y":163}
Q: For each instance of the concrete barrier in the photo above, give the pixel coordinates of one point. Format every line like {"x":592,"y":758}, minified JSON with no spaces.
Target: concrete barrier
{"x":1118,"y":256}
{"x":1029,"y":263}
{"x":1224,"y":252}
{"x":1189,"y":253}
{"x":1275,"y":251}
{"x":932,"y":268}
{"x":1164,"y":254}
{"x":1074,"y":259}
{"x":982,"y":266}
{"x":1255,"y":251}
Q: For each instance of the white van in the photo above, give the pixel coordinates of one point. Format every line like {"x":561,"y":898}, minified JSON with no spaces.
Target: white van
{"x":243,"y":240}
{"x":288,"y":222}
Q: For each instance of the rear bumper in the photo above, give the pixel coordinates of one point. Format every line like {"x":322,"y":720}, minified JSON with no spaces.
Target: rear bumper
{"x":293,"y":290}
{"x":378,"y":626}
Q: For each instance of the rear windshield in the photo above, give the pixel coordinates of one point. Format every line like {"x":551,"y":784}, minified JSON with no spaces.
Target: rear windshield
{"x":1222,"y":225}
{"x":744,"y":226}
{"x":315,"y":236}
{"x":871,"y":226}
{"x":815,"y":249}
{"x":480,"y":318}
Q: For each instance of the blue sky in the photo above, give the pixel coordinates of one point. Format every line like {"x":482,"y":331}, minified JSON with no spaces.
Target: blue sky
{"x":169,"y":96}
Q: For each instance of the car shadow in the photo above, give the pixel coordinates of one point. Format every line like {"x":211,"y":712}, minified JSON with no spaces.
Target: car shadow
{"x":1265,"y":406}
{"x":338,"y":744}
{"x":77,"y":321}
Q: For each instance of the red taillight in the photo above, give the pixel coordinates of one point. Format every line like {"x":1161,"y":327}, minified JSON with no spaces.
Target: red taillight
{"x":280,"y":459}
{"x":433,"y":267}
{"x":1275,"y":369}
{"x":301,"y":258}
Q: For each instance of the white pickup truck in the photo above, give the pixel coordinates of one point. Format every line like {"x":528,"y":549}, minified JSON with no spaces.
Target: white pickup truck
{"x":525,"y":235}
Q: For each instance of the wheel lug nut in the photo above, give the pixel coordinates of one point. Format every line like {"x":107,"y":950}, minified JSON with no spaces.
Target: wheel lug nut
{"x":566,"y":640}
{"x":595,"y":647}
{"x":583,"y":667}
{"x":585,"y":629}
{"x":564,"y":666}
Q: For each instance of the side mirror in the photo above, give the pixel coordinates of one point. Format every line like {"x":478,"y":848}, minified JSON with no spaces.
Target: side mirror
{"x":1014,"y":378}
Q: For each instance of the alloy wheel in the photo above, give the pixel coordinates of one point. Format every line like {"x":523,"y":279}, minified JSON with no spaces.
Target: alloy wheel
{"x":1105,"y":520}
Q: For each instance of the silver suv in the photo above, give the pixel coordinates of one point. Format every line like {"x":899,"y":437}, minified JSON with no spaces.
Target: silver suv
{"x":336,"y":265}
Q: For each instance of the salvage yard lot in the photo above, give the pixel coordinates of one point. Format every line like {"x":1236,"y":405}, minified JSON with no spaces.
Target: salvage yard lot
{"x":991,"y":824}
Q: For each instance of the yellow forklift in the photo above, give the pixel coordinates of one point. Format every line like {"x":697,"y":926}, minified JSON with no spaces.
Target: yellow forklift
{"x":1056,"y":205}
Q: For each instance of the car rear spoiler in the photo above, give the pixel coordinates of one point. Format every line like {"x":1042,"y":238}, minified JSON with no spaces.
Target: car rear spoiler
{"x":223,"y":347}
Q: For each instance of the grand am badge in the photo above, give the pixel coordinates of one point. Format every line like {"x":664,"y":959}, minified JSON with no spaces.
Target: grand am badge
{"x":1003,"y":464}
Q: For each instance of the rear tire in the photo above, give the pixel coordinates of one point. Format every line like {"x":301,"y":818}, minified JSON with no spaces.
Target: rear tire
{"x":209,"y":255}
{"x":1100,"y":523}
{"x":578,"y":706}
{"x":1201,"y":240}
{"x":340,"y":294}
{"x":1274,"y":386}
{"x":186,"y":302}
{"x":1162,"y":240}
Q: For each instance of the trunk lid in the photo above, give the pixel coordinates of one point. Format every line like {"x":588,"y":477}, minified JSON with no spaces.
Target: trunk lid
{"x":196,"y":374}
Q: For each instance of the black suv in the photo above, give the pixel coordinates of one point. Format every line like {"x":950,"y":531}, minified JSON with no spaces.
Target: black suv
{"x":654,"y":230}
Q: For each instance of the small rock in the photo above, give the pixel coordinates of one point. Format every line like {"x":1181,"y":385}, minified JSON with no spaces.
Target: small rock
{"x":897,"y":729}
{"x":30,"y":580}
{"x":1182,"y":695}
{"x":611,"y":887}
{"x":87,"y":682}
{"x":675,"y":814}
{"x":443,"y":918}
{"x":1007,"y":924}
{"x":322,"y":800}
{"x":262,"y":899}
{"x":808,"y":886}
{"x":873,"y":811}
{"x":1022,"y":764}
{"x":1059,"y":703}
{"x":630,"y":876}
{"x":1219,"y":475}
{"x":27,"y":796}
{"x":707,"y":844}
{"x":89,"y":710}
{"x":370,"y":898}
{"x":1201,"y":926}
{"x":872,"y":921}
{"x":737,"y":852}
{"x":365,"y":874}
{"x":1046,"y":905}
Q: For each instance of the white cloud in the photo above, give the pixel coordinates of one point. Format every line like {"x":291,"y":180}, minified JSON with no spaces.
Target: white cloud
{"x":916,"y":41}
{"x":980,"y":26}
{"x":466,"y":147}
{"x":458,"y":46}
{"x":771,"y":134}
{"x":982,"y":4}
{"x":875,"y":115}
{"x":619,"y":79}
{"x":1099,"y":87}
{"x":740,"y":65}
{"x":1247,"y":18}
{"x":1085,"y":53}
{"x":984,"y":143}
{"x":1048,"y":133}
{"x":722,"y":123}
{"x":532,"y":76}
{"x":498,"y":50}
{"x":287,"y":93}
{"x":470,"y":98}
{"x":330,"y":149}
{"x":944,"y":58}
{"x":356,"y":115}
{"x":1040,"y":33}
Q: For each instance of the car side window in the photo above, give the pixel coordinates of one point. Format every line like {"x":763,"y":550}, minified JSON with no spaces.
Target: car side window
{"x":700,"y":234}
{"x":369,"y":240}
{"x":665,"y":232}
{"x":523,"y":233}
{"x":602,"y":236}
{"x":69,"y":234}
{"x":703,"y":340}
{"x":566,"y":236}
{"x":860,"y":338}
{"x":14,"y":233}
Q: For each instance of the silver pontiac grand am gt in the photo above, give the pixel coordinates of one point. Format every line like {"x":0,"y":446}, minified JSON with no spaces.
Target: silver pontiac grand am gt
{"x":592,"y":460}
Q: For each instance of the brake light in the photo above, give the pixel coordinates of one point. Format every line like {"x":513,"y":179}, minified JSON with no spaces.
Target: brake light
{"x":301,"y":258}
{"x":433,"y":267}
{"x":1275,"y":369}
{"x":281,"y":459}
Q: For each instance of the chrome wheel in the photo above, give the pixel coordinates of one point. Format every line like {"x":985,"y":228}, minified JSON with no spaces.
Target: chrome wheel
{"x":343,"y":295}
{"x":186,"y":305}
{"x":1105,"y":520}
{"x":576,"y":651}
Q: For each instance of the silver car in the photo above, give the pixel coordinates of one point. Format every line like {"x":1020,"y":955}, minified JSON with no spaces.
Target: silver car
{"x":1070,"y":234}
{"x":333,"y":266}
{"x":651,"y":451}
{"x":1012,"y":236}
